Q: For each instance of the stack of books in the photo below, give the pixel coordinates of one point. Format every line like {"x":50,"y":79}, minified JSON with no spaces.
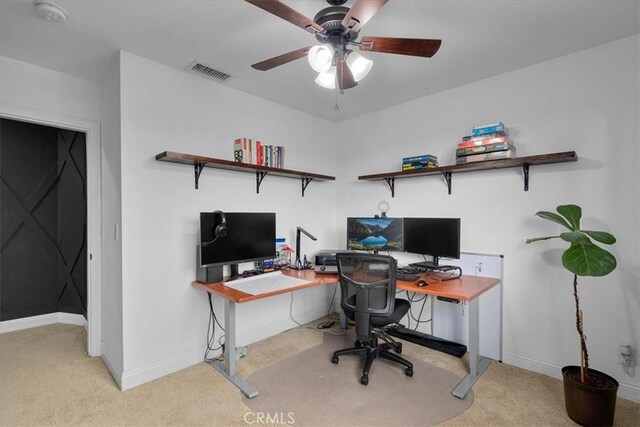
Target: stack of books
{"x":486,"y":142}
{"x":419,"y":162}
{"x":245,"y":150}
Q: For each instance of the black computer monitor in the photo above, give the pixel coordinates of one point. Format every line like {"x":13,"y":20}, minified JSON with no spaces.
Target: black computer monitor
{"x":375,"y":234}
{"x":250,"y":236}
{"x":436,"y":237}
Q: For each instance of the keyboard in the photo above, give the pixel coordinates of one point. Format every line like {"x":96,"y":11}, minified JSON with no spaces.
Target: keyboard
{"x":407,"y":277}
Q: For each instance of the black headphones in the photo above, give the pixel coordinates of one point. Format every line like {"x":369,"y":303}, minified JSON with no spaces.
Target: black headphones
{"x":221,"y":229}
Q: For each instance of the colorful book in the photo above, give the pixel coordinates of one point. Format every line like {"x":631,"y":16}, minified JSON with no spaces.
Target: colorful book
{"x":419,"y":158}
{"x":484,"y":136}
{"x":414,"y":167}
{"x":487,"y":148}
{"x":486,"y":129}
{"x":413,"y":164}
{"x":238,"y":150}
{"x":485,"y":141}
{"x":507,"y":154}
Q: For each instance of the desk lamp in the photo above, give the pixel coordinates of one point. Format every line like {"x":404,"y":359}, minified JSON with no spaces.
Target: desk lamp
{"x":298,"y":265}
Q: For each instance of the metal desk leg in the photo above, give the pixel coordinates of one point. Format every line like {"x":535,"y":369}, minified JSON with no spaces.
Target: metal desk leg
{"x":228,"y":367}
{"x":477,"y":364}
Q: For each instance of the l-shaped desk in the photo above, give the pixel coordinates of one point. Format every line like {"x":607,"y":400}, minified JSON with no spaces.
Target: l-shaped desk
{"x":465,"y":288}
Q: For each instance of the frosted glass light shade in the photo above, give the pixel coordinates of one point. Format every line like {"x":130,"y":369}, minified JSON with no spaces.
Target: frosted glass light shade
{"x":320,"y":57}
{"x":359,"y":65}
{"x":327,"y":79}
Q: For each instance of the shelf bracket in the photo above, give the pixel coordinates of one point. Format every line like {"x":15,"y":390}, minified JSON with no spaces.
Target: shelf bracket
{"x":305,"y":182}
{"x":259,"y":177}
{"x":525,"y":171}
{"x":391,"y":182}
{"x":447,"y":177}
{"x":197,"y":168}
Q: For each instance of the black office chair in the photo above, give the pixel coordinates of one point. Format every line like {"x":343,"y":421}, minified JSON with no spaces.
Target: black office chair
{"x":368,"y":285}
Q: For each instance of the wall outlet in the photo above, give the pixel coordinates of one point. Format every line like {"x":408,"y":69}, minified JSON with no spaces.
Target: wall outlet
{"x":625,"y":353}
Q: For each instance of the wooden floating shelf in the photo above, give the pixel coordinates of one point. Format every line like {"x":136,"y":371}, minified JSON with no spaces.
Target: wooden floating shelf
{"x":200,"y":162}
{"x":447,"y":171}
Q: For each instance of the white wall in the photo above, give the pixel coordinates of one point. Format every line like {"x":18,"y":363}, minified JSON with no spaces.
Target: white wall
{"x":112,"y":330}
{"x":164,"y":316}
{"x":587,"y":102}
{"x":41,"y":89}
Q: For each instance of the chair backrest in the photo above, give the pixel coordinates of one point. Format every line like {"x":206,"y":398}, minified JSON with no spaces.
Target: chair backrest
{"x":368,"y":285}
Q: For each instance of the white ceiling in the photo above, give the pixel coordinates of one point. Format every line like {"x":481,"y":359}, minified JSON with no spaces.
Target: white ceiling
{"x":479,"y":39}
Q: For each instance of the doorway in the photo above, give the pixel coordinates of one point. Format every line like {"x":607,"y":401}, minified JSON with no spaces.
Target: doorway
{"x":44,"y":220}
{"x":88,"y":259}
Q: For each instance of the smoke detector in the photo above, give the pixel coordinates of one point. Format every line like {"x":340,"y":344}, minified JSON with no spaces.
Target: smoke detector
{"x":50,"y":11}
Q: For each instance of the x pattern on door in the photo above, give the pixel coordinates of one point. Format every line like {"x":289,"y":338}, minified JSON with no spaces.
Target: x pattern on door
{"x":68,"y":260}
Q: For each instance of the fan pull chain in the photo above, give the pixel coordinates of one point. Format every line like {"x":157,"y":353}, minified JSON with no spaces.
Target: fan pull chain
{"x":336,"y":106}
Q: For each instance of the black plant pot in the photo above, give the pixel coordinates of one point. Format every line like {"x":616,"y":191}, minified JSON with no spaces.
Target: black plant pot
{"x":589,"y":405}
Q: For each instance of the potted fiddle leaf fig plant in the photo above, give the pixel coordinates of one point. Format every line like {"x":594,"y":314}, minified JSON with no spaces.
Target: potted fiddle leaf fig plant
{"x":590,"y":395}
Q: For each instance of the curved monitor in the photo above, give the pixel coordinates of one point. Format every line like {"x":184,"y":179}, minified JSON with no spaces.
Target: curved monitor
{"x":251,"y":236}
{"x":375,"y":234}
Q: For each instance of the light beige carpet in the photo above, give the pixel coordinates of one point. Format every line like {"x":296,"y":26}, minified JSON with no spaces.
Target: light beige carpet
{"x":46,"y":378}
{"x":296,"y":387}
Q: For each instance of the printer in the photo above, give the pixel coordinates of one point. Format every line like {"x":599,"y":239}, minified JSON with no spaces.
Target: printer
{"x":326,"y":262}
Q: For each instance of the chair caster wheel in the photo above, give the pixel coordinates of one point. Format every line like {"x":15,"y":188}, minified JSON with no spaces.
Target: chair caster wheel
{"x":334,"y":359}
{"x":399,"y":348}
{"x":408,"y":372}
{"x":364,"y":380}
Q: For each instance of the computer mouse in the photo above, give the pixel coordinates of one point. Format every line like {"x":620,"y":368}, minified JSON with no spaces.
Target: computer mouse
{"x":323,"y":268}
{"x":422,"y":283}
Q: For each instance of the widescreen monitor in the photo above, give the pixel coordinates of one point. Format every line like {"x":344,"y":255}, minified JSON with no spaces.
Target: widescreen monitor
{"x":436,"y":237}
{"x":251,"y":236}
{"x":375,"y":234}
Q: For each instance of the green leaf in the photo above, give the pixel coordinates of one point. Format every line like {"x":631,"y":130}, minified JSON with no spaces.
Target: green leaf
{"x":601,"y":236}
{"x":572,"y":213}
{"x":574,"y":237}
{"x":555,"y":218}
{"x":586,"y":259}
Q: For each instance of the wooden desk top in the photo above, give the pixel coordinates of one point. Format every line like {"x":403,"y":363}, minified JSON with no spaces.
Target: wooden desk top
{"x":238,"y":296}
{"x":465,"y":288}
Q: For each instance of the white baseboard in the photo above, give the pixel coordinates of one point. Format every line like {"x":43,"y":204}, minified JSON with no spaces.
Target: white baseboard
{"x":42,"y":320}
{"x":625,"y":390}
{"x":115,"y":372}
{"x":152,"y":372}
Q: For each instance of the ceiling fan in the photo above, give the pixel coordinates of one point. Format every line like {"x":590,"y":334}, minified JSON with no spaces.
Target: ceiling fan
{"x":337,"y":28}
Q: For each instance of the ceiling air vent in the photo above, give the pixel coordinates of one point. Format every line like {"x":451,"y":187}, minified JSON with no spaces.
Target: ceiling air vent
{"x":203,"y":70}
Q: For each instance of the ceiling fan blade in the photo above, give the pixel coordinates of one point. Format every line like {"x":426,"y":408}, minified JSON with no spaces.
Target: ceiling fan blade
{"x":412,"y":47}
{"x":281,"y":59}
{"x":344,"y":75}
{"x":361,"y":12}
{"x":283,"y":11}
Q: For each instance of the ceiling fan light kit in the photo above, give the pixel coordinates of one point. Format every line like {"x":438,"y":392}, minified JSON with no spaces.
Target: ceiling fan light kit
{"x":337,"y":28}
{"x":327,"y":79}
{"x":359,"y":65}
{"x":321,"y":57}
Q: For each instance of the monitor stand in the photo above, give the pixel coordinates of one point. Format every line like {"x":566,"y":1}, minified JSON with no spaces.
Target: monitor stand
{"x":233,"y":271}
